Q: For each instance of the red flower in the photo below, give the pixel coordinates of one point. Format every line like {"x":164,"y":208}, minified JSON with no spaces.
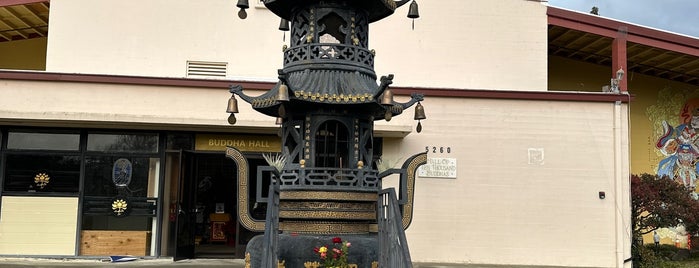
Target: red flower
{"x":337,"y":240}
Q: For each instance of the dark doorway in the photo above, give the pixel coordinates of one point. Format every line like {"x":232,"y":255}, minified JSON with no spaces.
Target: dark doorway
{"x":214,"y":186}
{"x":203,"y":209}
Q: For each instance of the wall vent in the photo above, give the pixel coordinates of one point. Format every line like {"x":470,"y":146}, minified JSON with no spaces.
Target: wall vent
{"x":206,"y":69}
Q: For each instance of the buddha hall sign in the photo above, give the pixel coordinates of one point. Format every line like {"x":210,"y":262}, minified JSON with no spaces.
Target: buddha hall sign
{"x":244,"y":143}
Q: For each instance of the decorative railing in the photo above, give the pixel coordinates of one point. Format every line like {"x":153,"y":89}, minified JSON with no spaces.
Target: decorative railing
{"x":393,"y":247}
{"x":271,"y":237}
{"x":337,"y":54}
{"x":365,"y":180}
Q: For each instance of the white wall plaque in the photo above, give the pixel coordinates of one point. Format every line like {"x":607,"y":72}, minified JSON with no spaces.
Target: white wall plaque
{"x":438,"y":168}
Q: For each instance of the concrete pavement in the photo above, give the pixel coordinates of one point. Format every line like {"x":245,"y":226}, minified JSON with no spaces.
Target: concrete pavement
{"x":192,"y":263}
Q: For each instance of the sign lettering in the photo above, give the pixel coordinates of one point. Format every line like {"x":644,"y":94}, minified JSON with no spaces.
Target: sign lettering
{"x":439,"y":168}
{"x":244,"y":143}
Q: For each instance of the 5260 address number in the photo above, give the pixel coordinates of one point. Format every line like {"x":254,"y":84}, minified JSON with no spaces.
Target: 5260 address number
{"x":435,"y":149}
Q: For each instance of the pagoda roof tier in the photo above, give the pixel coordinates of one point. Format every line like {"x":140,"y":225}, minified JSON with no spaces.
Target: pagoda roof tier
{"x":376,"y":9}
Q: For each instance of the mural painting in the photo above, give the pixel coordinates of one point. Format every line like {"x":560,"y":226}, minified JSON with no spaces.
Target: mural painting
{"x":675,"y":121}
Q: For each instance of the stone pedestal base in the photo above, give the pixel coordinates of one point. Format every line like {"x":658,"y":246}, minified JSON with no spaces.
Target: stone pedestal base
{"x":296,"y":249}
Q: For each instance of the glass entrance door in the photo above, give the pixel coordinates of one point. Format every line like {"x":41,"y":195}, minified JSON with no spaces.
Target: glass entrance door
{"x":179,"y":226}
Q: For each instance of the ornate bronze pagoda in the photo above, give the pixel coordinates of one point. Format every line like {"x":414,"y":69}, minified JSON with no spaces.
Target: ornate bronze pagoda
{"x":326,"y":101}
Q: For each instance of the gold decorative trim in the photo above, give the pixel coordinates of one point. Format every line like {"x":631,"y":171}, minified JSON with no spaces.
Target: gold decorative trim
{"x":373,"y":228}
{"x":247,"y":260}
{"x":323,"y":195}
{"x":324,"y":227}
{"x":316,"y":264}
{"x":415,"y":163}
{"x":309,"y":264}
{"x":243,"y":213}
{"x":328,"y":206}
{"x":340,"y":215}
{"x":334,"y":98}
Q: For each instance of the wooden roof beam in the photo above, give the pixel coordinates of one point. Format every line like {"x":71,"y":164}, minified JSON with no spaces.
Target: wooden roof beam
{"x":12,"y":29}
{"x":7,"y":3}
{"x":24,"y":21}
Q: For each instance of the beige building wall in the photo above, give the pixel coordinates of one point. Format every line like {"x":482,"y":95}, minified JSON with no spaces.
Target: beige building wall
{"x":38,"y":225}
{"x":73,"y":104}
{"x":565,"y":74}
{"x":478,"y":45}
{"x":506,"y":205}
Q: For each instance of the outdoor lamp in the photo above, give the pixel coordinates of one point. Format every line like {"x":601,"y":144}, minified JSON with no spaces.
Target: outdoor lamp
{"x":616,"y":80}
{"x":619,"y":74}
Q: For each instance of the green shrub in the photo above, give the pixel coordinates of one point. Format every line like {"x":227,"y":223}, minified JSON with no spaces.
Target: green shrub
{"x":651,"y":257}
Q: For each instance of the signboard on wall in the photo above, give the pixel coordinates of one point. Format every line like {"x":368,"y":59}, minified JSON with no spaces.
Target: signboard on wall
{"x":438,"y":168}
{"x":244,"y":143}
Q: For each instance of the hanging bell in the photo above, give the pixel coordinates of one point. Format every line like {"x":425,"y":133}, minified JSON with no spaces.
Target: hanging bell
{"x":231,"y":119}
{"x":279,"y":121}
{"x":232,"y":105}
{"x":283,"y":93}
{"x":242,"y":14}
{"x":413,"y":12}
{"x":281,"y":111}
{"x":243,"y":4}
{"x":284,"y":25}
{"x":419,"y":112}
{"x":387,"y":98}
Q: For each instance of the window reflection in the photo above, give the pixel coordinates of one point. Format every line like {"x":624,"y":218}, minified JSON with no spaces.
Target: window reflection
{"x":43,"y":141}
{"x":100,"y":181}
{"x":42,"y":173}
{"x":139,"y":143}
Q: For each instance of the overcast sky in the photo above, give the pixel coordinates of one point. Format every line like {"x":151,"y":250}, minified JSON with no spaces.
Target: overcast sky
{"x":678,"y":16}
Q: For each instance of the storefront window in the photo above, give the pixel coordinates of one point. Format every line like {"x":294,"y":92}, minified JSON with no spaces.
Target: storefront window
{"x":42,"y":173}
{"x":134,"y":143}
{"x":43,"y":141}
{"x":180,"y":141}
{"x":121,"y":181}
{"x":121,"y":175}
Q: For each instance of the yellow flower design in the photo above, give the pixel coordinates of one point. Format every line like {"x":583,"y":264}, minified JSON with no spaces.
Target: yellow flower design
{"x":41,"y":180}
{"x":119,"y":206}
